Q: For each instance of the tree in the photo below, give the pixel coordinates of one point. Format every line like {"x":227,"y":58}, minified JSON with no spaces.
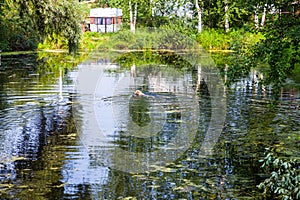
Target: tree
{"x":199,"y":12}
{"x":226,"y":13}
{"x":34,"y":20}
{"x":133,"y":15}
{"x":280,"y":48}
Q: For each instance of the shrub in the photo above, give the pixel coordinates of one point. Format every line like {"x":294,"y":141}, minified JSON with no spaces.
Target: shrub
{"x":212,"y":39}
{"x":236,"y":40}
{"x":284,"y":180}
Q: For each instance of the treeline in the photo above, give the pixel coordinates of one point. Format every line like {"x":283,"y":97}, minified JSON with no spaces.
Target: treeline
{"x":24,"y":24}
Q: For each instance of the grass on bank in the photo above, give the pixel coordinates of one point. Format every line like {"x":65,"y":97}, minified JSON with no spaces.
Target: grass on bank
{"x":235,"y":40}
{"x":209,"y":39}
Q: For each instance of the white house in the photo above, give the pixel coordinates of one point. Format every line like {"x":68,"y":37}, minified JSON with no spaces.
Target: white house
{"x":105,"y":20}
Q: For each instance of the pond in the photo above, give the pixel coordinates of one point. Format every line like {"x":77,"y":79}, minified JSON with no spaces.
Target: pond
{"x":76,"y":130}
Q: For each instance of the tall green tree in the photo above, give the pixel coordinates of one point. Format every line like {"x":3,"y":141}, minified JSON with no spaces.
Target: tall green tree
{"x":281,"y":47}
{"x":152,"y":13}
{"x":226,"y":13}
{"x":31,"y":21}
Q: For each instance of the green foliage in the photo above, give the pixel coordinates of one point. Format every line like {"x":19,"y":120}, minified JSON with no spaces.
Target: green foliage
{"x":239,"y":13}
{"x":152,"y":58}
{"x":26,"y":23}
{"x":242,"y":41}
{"x":284,"y":180}
{"x":17,"y":33}
{"x":180,"y":25}
{"x":88,"y":42}
{"x":280,"y":48}
{"x":91,"y":40}
{"x":143,"y":9}
{"x":296,"y":73}
{"x":236,"y":40}
{"x":213,"y":39}
{"x":149,"y":38}
{"x":53,"y":42}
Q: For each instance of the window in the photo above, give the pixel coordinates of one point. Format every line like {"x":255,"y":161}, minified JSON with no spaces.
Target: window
{"x":108,"y":21}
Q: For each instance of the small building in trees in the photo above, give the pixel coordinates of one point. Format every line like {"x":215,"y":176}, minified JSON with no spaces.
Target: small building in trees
{"x":105,"y":20}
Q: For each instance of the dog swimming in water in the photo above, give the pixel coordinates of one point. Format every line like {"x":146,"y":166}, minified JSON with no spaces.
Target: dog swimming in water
{"x":139,"y":93}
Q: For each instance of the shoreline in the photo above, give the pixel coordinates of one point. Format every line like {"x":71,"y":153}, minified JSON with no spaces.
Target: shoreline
{"x":7,"y":53}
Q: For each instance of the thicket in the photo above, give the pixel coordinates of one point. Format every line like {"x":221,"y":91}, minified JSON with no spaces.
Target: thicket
{"x":283,"y":180}
{"x":25,"y":24}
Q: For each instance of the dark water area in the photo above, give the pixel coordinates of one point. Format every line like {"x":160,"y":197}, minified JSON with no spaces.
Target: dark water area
{"x":77,"y":131}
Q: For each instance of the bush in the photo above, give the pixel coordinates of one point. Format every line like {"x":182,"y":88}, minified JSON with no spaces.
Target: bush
{"x":4,"y":46}
{"x":212,"y":39}
{"x":284,"y":180}
{"x":296,"y":73}
{"x":236,"y":40}
{"x":54,"y":42}
{"x":241,"y":40}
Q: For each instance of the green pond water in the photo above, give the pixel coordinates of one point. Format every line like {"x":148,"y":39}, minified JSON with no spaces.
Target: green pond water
{"x":75,"y":130}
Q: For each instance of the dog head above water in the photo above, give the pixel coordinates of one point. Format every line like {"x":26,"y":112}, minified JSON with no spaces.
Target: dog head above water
{"x":139,"y":93}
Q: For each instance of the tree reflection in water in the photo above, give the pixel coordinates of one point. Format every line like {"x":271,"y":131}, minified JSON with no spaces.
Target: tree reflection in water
{"x":139,"y":110}
{"x":36,"y":126}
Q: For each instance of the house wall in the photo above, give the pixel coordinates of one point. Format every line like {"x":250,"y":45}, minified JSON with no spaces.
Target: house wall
{"x":105,"y":24}
{"x":105,"y":20}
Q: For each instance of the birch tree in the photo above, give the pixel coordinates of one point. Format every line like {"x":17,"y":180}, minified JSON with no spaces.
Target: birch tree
{"x":134,"y":11}
{"x":260,"y":7}
{"x":281,"y":46}
{"x":226,"y":15}
{"x":132,"y":15}
{"x":263,"y":18}
{"x":199,"y":12}
{"x":256,"y":20}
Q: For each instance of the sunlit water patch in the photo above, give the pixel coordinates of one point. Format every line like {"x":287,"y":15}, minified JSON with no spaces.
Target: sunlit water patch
{"x":116,"y":122}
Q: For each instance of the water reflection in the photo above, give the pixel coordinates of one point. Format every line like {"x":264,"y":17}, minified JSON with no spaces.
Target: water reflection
{"x":35,"y":120}
{"x":110,"y":137}
{"x":139,"y":111}
{"x":43,"y":152}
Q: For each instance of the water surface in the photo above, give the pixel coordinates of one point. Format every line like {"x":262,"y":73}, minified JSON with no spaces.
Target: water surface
{"x":61,"y":141}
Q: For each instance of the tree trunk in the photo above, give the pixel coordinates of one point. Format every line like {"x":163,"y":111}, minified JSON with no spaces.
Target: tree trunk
{"x":263,"y":18}
{"x":256,"y":23}
{"x":226,"y":17}
{"x":199,"y":77}
{"x":60,"y":85}
{"x":199,"y":11}
{"x":133,"y":16}
{"x":133,"y":76}
{"x":130,"y":16}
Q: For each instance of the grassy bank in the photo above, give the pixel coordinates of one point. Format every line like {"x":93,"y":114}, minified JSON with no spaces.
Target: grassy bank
{"x":235,"y":40}
{"x":89,"y":42}
{"x":209,"y":39}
